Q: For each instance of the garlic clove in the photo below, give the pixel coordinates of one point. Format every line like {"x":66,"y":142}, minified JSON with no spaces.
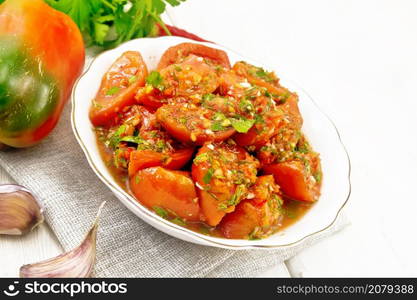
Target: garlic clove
{"x":20,"y":211}
{"x":77,"y":263}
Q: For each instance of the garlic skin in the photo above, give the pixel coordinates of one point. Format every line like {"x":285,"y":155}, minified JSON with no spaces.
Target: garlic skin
{"x":20,"y":211}
{"x":77,"y":263}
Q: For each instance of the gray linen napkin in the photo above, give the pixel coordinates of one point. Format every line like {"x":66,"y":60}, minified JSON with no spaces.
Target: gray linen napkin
{"x":58,"y":173}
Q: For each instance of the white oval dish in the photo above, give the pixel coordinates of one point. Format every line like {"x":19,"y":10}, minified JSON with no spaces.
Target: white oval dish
{"x":319,"y":129}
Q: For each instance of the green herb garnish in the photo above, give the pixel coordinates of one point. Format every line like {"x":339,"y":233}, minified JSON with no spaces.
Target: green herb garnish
{"x":114,"y":140}
{"x":155,"y":79}
{"x":217,"y":126}
{"x":132,"y":79}
{"x":179,"y":221}
{"x":317,"y":176}
{"x":201,"y":158}
{"x":132,"y":139}
{"x":112,"y":91}
{"x":163,"y":213}
{"x":130,"y":19}
{"x":242,"y":125}
{"x":207,"y":177}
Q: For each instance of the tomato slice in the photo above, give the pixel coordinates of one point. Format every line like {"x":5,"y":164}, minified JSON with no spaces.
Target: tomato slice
{"x":298,"y":179}
{"x":118,"y":88}
{"x":190,"y":123}
{"x":273,"y":120}
{"x":150,"y":97}
{"x":193,"y":76}
{"x":171,"y":190}
{"x":141,"y":159}
{"x":257,"y":217}
{"x":222,"y":173}
{"x":176,"y":53}
{"x":259,"y":77}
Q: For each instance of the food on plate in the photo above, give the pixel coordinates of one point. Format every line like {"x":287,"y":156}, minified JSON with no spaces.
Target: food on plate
{"x":37,"y":69}
{"x":118,"y":87}
{"x":258,"y":215}
{"x":168,"y":190}
{"x":212,"y":147}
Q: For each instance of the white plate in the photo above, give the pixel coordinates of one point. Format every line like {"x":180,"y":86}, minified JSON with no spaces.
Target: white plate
{"x":319,"y":129}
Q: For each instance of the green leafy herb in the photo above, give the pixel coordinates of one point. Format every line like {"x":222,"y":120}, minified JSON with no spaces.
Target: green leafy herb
{"x":132,"y":79}
{"x":201,"y":158}
{"x":242,"y":125}
{"x":246,"y":105}
{"x":130,"y":18}
{"x":163,"y":213}
{"x":155,"y":79}
{"x":132,"y":139}
{"x":317,"y":176}
{"x":217,"y":126}
{"x":112,"y":91}
{"x":179,"y":221}
{"x":114,"y":140}
{"x":207,"y":177}
{"x":237,"y":196}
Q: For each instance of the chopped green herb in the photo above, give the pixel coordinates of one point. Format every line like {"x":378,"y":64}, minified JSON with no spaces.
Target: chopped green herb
{"x":179,"y":221}
{"x":132,"y":79}
{"x":155,"y":79}
{"x":237,"y":196}
{"x":201,"y":158}
{"x":242,"y":125}
{"x":97,"y":105}
{"x":246,"y":105}
{"x":112,"y":91}
{"x":183,"y":120}
{"x":207,"y":177}
{"x":116,"y":137}
{"x":208,"y":97}
{"x":161,"y":145}
{"x":137,"y":179}
{"x":132,"y":139}
{"x":219,"y":116}
{"x":317,"y":176}
{"x":259,"y":119}
{"x":161,"y":212}
{"x":217,"y":126}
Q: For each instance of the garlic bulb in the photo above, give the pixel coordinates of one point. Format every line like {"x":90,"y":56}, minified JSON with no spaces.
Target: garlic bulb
{"x":20,"y":211}
{"x":77,"y":263}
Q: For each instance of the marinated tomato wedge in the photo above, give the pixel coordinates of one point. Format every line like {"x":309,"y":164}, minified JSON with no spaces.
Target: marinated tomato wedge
{"x":118,"y":88}
{"x":300,"y":178}
{"x":176,"y":53}
{"x":196,"y":124}
{"x":259,"y":77}
{"x":174,"y":160}
{"x":169,"y":193}
{"x":223,"y":174}
{"x":140,"y":142}
{"x":271,"y":120}
{"x":193,"y":76}
{"x":256,"y":216}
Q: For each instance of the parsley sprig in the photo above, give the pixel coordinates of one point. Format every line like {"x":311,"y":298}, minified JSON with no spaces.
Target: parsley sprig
{"x":109,"y":23}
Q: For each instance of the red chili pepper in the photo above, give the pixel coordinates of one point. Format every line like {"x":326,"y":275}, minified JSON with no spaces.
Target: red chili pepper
{"x":175,"y":31}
